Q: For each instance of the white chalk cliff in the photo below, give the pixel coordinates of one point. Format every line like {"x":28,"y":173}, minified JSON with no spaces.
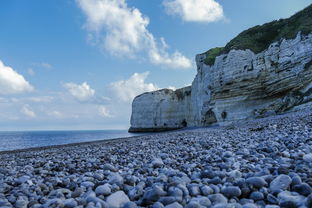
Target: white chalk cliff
{"x":239,"y":85}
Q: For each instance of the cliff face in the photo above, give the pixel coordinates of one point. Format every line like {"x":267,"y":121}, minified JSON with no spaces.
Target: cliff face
{"x":234,"y":84}
{"x":243,"y":85}
{"x":161,"y":110}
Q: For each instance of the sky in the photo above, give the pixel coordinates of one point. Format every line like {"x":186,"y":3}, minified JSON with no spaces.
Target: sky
{"x":78,"y":64}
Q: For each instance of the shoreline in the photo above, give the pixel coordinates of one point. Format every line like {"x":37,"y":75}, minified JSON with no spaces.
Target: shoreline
{"x":65,"y":145}
{"x":236,"y":123}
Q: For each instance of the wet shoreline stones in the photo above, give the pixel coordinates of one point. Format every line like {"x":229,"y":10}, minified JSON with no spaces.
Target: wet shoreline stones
{"x":265,"y":163}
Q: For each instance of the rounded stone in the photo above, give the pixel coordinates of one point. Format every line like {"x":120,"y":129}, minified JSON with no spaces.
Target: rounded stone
{"x":70,"y":203}
{"x":174,"y":205}
{"x":309,"y":201}
{"x":296,"y":180}
{"x":303,"y":189}
{"x":117,"y":199}
{"x":109,"y":167}
{"x":249,"y":205}
{"x":202,"y":201}
{"x":257,"y":182}
{"x":308,"y":158}
{"x":103,"y":190}
{"x":193,"y":189}
{"x":290,"y":199}
{"x":157,"y":205}
{"x":217,"y":198}
{"x":157,"y":163}
{"x":130,"y":205}
{"x":77,"y":192}
{"x":116,"y":179}
{"x":152,"y":195}
{"x":87,"y":184}
{"x":231,"y":191}
{"x":193,"y":204}
{"x":271,"y":206}
{"x":21,"y":203}
{"x":206,"y":190}
{"x":280,"y":183}
{"x":257,"y":195}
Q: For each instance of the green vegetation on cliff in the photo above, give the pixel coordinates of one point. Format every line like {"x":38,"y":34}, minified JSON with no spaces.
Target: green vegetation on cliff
{"x":212,"y":54}
{"x":259,"y":38}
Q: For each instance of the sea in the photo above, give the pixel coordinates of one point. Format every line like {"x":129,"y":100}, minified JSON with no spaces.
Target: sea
{"x":14,"y":140}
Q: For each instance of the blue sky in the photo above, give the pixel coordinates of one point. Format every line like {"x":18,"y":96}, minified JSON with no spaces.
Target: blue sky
{"x":69,"y":64}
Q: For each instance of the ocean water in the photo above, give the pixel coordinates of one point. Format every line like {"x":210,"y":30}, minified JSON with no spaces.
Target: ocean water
{"x":10,"y":140}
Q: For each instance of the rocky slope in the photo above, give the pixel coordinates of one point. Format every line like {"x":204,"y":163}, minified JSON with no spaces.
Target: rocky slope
{"x":240,"y":81}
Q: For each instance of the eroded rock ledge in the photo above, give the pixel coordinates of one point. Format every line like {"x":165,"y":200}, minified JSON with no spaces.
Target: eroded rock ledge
{"x":239,"y":85}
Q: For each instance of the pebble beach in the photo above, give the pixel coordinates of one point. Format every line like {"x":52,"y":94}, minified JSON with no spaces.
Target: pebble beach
{"x":264,"y":163}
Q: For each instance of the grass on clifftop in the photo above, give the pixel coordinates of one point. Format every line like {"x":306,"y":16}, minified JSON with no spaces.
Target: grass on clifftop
{"x":212,"y":54}
{"x":259,"y":38}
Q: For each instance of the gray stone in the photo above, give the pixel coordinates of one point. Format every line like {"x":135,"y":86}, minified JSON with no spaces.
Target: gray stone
{"x":77,"y":192}
{"x":231,"y":191}
{"x":165,"y":200}
{"x":109,"y":167}
{"x":257,"y":195}
{"x":290,"y":199}
{"x":206,"y":190}
{"x":153,"y":194}
{"x":194,"y":189}
{"x":303,"y":189}
{"x":117,"y":199}
{"x":296,"y":180}
{"x":22,"y":179}
{"x":103,"y":190}
{"x":280,"y":183}
{"x":174,"y":205}
{"x":193,"y":204}
{"x":217,"y":198}
{"x":157,"y":205}
{"x":21,"y":203}
{"x":70,"y":203}
{"x":249,"y":205}
{"x":201,"y":201}
{"x":272,"y":199}
{"x":308,"y":158}
{"x":157,"y":163}
{"x":257,"y":182}
{"x":130,"y":205}
{"x":272,"y":206}
{"x":96,"y":200}
{"x":87,"y":184}
{"x":116,"y":179}
{"x":309,"y":201}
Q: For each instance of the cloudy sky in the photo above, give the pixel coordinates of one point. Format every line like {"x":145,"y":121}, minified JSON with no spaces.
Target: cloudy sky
{"x":77,"y":64}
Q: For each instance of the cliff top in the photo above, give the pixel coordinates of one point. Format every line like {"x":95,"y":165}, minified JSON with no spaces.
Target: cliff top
{"x":259,"y":38}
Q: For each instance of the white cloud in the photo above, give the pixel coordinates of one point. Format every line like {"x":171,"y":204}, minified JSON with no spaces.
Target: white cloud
{"x":126,"y":90}
{"x":28,"y":112}
{"x":123,"y":31}
{"x":11,"y":82}
{"x":104,"y":112}
{"x":195,"y":10}
{"x":82,"y":92}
